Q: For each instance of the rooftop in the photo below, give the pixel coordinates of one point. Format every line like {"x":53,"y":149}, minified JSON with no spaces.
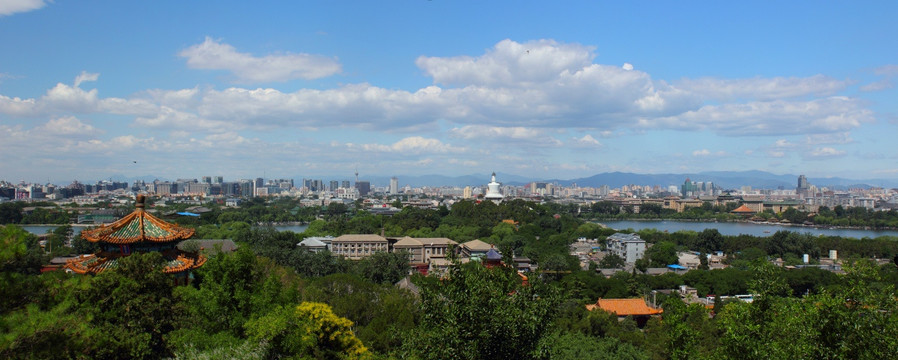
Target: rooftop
{"x":624,"y":307}
{"x":360,"y":237}
{"x":139,"y":226}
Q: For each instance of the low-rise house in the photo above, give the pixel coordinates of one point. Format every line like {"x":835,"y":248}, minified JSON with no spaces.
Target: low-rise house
{"x":317,"y":243}
{"x":630,"y":247}
{"x":438,"y":267}
{"x":689,"y":259}
{"x":637,"y":308}
{"x":523,"y":264}
{"x":413,"y":246}
{"x":436,"y":247}
{"x":475,"y":248}
{"x":358,"y":246}
{"x":422,"y":250}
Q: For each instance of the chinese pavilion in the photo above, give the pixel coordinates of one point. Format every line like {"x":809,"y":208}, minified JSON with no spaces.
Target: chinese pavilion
{"x":138,"y":232}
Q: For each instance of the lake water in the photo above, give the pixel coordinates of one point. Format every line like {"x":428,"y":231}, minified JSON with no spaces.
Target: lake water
{"x":737,"y":228}
{"x":294,"y":228}
{"x":40,"y":230}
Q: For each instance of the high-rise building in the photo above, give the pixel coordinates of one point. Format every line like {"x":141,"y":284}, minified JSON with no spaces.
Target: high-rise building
{"x":803,"y":187}
{"x":207,"y":179}
{"x":218,"y":179}
{"x":394,"y":185}
{"x":345,"y":184}
{"x":313,"y":185}
{"x":334,"y":184}
{"x":364,"y":187}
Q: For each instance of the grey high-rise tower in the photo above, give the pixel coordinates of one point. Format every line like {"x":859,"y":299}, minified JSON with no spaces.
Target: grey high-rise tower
{"x":803,"y":187}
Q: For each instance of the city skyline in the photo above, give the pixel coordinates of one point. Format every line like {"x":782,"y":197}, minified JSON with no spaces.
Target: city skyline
{"x":92,"y":90}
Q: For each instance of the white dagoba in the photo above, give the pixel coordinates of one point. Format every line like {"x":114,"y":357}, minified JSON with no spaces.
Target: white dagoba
{"x":492,"y":190}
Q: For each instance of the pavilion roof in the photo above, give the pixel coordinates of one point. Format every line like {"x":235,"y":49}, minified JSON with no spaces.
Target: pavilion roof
{"x":175,"y":262}
{"x":624,"y":307}
{"x":138,"y":226}
{"x":743,"y":209}
{"x":477,"y":245}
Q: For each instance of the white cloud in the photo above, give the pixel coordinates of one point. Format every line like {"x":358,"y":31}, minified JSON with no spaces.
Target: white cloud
{"x":835,"y":138}
{"x":503,"y":136}
{"x":410,"y":145}
{"x":708,"y":153}
{"x":832,"y":114}
{"x":783,"y":143}
{"x":214,"y":55}
{"x":762,"y":88}
{"x":515,"y":97}
{"x":509,"y":62}
{"x":359,"y":105}
{"x":9,"y":7}
{"x":468,"y":163}
{"x":627,"y":66}
{"x":16,"y":106}
{"x":825,"y":152}
{"x":68,"y":125}
{"x":587,"y":141}
{"x":66,"y":98}
{"x":880,"y":85}
{"x":887,"y":70}
{"x":86,"y":76}
{"x":481,"y":131}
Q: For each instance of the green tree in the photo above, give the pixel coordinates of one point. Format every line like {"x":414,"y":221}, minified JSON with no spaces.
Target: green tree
{"x":480,"y":313}
{"x":11,"y":212}
{"x":576,"y":346}
{"x":709,"y":240}
{"x":310,"y":330}
{"x":133,"y":307}
{"x":612,"y":261}
{"x":384,"y":267}
{"x":662,"y":254}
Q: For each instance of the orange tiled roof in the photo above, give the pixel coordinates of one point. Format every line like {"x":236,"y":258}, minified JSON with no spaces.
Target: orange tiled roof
{"x":139,"y":226}
{"x":743,"y":209}
{"x":97,"y":263}
{"x":624,"y":307}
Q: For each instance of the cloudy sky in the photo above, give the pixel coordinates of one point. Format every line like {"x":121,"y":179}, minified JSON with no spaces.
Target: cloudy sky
{"x":91,"y":89}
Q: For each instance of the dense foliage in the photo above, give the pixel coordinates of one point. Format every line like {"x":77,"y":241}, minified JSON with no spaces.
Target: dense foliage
{"x":273,"y":299}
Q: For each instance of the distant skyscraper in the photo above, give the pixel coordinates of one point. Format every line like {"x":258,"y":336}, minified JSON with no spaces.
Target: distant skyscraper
{"x":207,"y":179}
{"x":394,"y":185}
{"x":803,"y":187}
{"x":334,"y":184}
{"x":364,"y":187}
{"x":345,"y":184}
{"x":218,"y":179}
{"x":313,"y":184}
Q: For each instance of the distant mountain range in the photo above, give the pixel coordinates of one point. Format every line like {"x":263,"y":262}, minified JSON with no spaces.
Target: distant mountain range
{"x":725,"y":179}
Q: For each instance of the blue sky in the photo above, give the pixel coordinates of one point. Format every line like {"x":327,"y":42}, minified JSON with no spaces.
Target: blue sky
{"x":560,"y":89}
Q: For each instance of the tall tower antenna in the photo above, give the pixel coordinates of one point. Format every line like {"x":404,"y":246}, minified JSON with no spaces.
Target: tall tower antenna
{"x":357,"y":174}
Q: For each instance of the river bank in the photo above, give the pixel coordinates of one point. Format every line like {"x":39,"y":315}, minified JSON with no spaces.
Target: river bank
{"x":831,"y":227}
{"x":733,"y":228}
